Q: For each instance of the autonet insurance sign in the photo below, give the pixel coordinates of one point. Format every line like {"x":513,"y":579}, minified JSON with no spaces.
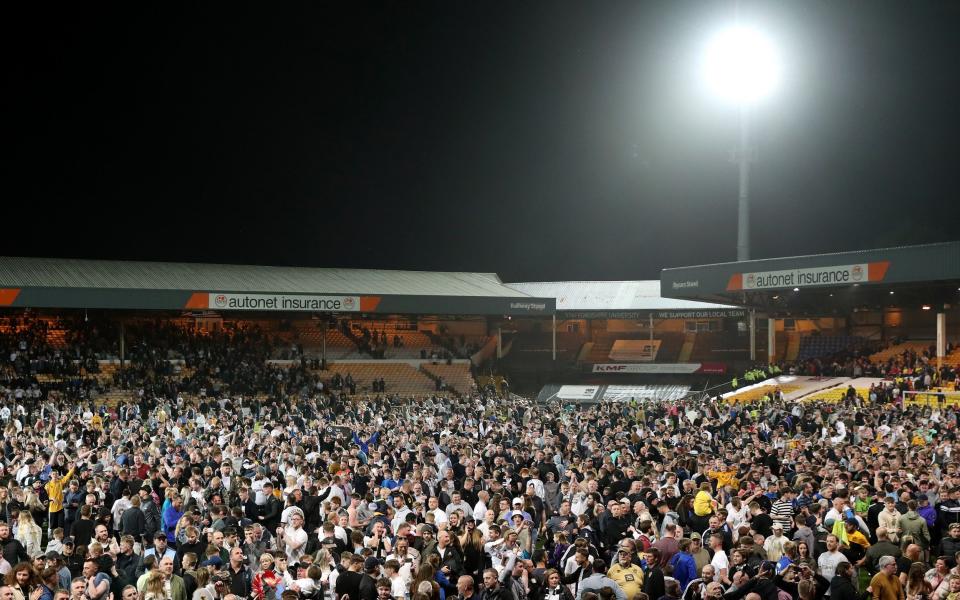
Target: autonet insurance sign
{"x":816,"y":276}
{"x":284,"y":302}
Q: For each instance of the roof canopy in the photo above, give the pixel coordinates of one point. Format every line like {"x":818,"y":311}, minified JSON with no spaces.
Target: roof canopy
{"x":60,"y":283}
{"x":619,"y":299}
{"x":917,"y":275}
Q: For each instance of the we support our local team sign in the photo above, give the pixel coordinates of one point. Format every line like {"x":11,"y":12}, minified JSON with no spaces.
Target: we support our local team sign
{"x":813,"y":277}
{"x":283,"y":302}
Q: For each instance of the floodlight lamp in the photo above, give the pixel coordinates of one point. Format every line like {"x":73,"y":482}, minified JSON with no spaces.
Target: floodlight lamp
{"x":741,"y":65}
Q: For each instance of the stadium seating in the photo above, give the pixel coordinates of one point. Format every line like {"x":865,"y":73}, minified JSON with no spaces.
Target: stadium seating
{"x":400,"y":378}
{"x":835,"y":394}
{"x":815,"y":346}
{"x":457,"y":375}
{"x":953,"y":359}
{"x":720,"y":346}
{"x":896,"y":350}
{"x":839,"y":393}
{"x":603,"y":341}
{"x":532,"y":351}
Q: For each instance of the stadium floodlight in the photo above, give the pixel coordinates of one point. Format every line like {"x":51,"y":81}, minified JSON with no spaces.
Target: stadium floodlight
{"x":741,"y":65}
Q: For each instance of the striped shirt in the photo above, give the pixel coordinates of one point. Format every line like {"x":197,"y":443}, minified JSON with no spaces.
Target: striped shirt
{"x":782,"y":513}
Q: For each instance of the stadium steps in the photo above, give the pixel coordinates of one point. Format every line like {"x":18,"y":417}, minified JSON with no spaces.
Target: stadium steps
{"x":671,"y":345}
{"x":585,"y":351}
{"x":686,"y":350}
{"x":835,"y":394}
{"x":497,"y":380}
{"x":897,"y":349}
{"x":400,"y":378}
{"x":953,"y":359}
{"x":793,"y":346}
{"x":457,"y":375}
{"x":114,"y":398}
{"x":57,"y":338}
{"x":339,"y":345}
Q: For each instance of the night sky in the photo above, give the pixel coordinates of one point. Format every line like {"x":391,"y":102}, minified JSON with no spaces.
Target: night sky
{"x":538,"y":140}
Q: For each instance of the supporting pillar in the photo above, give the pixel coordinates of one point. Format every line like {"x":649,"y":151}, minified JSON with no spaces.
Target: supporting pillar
{"x":771,"y":341}
{"x":499,"y":342}
{"x":122,"y":345}
{"x":941,"y":338}
{"x":554,"y":344}
{"x":753,"y":335}
{"x":651,"y":326}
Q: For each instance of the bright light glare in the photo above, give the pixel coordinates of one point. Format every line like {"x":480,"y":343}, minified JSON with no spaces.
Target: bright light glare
{"x":741,"y":65}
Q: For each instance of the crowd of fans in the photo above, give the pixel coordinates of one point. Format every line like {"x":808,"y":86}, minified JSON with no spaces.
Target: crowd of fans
{"x":856,"y":362}
{"x":242,"y":480}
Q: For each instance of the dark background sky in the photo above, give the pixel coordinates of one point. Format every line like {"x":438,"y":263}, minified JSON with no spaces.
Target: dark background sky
{"x":539,"y":140}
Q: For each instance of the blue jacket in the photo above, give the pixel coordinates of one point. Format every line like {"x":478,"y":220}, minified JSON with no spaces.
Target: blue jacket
{"x":170,"y":518}
{"x":929,"y":515}
{"x":365,"y":445}
{"x":684,"y":569}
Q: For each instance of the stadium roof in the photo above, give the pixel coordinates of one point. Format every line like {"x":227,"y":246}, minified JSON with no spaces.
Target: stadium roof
{"x":68,"y":283}
{"x":905,"y":276}
{"x":612,"y":298}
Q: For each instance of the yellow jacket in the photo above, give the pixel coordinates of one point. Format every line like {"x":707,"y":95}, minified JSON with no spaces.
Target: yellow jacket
{"x":703,"y":504}
{"x":54,"y":489}
{"x":723,"y":477}
{"x":629,"y":579}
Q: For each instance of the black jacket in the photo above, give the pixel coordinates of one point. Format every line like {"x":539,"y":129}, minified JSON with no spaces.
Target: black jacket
{"x":271,"y":514}
{"x":368,"y":588}
{"x":842,"y":588}
{"x":498,"y":593}
{"x":151,"y":518}
{"x":949,"y":546}
{"x":82,"y":532}
{"x":564,"y":593}
{"x":653,"y":584}
{"x":127,"y":566}
{"x":133,"y":522}
{"x":14,"y":552}
{"x":452,"y":559}
{"x":349,"y":583}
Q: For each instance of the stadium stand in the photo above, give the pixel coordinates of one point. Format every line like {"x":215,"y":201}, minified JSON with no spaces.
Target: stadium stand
{"x":400,"y":378}
{"x":531,"y":350}
{"x":338,"y":345}
{"x":835,"y":394}
{"x":462,"y":346}
{"x":720,"y":346}
{"x":604,"y":341}
{"x":456,"y":376}
{"x":814,"y":346}
{"x":896,"y":350}
{"x":953,"y":358}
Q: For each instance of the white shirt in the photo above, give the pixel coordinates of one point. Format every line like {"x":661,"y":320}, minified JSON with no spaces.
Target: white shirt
{"x":828,"y":562}
{"x":399,"y":518}
{"x":295,"y":542}
{"x":257,"y":486}
{"x":479,"y":511}
{"x":118,"y":507}
{"x":719,"y":562}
